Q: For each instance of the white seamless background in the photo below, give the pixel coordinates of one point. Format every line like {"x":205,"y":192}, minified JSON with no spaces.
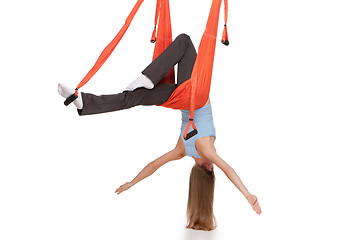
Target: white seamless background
{"x":285,"y":97}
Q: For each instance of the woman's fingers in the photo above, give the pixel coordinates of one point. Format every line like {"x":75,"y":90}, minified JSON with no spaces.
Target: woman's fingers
{"x":119,"y":190}
{"x":255,"y":205}
{"x":257,"y":208}
{"x":123,"y":187}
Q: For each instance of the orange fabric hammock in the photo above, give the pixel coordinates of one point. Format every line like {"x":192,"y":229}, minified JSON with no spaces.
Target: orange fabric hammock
{"x":193,"y":93}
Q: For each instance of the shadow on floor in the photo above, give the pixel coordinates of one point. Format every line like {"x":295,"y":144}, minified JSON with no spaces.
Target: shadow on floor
{"x":190,"y":234}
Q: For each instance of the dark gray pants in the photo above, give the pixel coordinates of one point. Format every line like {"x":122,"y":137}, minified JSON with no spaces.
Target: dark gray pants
{"x":181,"y":51}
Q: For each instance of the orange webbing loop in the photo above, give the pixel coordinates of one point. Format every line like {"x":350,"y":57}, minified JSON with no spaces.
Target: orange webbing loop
{"x":153,"y":37}
{"x":110,"y":47}
{"x":191,"y":122}
{"x":225,"y":37}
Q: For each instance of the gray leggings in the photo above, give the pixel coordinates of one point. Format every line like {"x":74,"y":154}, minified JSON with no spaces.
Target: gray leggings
{"x":181,"y":51}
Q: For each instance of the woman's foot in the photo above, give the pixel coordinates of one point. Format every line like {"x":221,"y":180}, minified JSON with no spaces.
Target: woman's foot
{"x":252,"y":199}
{"x":66,"y":92}
{"x":141,"y":81}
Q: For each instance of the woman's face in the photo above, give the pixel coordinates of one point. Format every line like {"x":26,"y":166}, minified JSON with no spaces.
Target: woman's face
{"x":204,"y":162}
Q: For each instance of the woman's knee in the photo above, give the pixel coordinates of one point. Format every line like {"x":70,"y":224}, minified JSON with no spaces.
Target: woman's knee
{"x":183,"y":37}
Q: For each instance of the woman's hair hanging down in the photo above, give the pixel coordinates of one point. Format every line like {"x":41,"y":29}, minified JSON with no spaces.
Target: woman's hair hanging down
{"x":200,"y":215}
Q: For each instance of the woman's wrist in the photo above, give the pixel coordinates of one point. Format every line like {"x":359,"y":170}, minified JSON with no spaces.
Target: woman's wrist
{"x":247,"y":195}
{"x":132,"y":183}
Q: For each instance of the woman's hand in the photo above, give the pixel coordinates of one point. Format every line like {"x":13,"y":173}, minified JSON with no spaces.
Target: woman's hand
{"x":123,"y":187}
{"x":252,"y":199}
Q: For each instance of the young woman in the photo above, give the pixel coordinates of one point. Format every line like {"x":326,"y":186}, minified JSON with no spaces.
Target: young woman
{"x":146,"y":90}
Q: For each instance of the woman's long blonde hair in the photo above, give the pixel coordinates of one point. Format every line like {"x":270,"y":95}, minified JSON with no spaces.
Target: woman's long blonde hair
{"x":200,"y":215}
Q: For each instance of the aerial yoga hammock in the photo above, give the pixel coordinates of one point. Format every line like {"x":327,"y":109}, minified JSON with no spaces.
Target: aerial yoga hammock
{"x":194,"y":92}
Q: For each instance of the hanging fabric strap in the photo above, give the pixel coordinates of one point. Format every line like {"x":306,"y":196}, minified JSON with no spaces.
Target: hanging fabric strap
{"x":225,"y":38}
{"x":194,"y":93}
{"x":164,"y":36}
{"x":202,"y":72}
{"x":106,"y":52}
{"x":153,"y":37}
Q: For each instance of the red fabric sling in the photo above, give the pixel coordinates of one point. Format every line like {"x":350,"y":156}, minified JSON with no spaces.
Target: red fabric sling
{"x":164,"y":35}
{"x":105,"y":54}
{"x":194,"y":92}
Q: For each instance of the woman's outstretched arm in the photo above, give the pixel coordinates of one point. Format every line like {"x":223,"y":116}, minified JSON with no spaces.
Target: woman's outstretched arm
{"x":206,"y":149}
{"x":151,"y":167}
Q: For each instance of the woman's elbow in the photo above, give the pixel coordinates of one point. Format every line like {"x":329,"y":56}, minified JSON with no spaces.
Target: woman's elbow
{"x":179,"y":153}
